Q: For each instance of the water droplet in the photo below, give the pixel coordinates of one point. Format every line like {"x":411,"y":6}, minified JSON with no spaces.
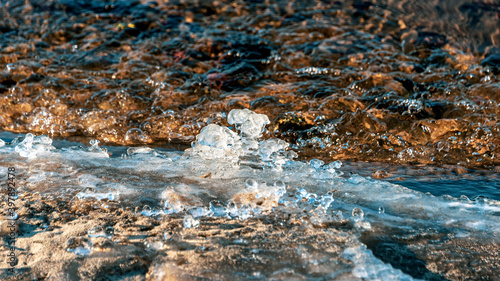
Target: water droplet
{"x":251,"y":184}
{"x":109,"y":231}
{"x":357,"y":213}
{"x":146,"y":210}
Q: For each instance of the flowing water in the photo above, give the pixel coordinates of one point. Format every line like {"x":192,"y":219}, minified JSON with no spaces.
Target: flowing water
{"x":251,"y":140}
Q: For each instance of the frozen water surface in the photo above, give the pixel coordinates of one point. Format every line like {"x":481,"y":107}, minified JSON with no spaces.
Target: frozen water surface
{"x":222,"y":209}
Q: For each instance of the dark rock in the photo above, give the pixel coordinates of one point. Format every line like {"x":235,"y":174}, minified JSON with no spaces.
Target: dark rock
{"x":492,"y":60}
{"x":430,"y":40}
{"x":407,"y":83}
{"x":35,"y":77}
{"x":96,"y":63}
{"x":42,"y":45}
{"x":263,"y":101}
{"x":440,"y":58}
{"x":131,"y":31}
{"x":8,"y":82}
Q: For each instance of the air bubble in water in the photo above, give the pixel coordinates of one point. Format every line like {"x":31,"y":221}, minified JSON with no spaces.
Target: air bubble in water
{"x":135,"y":135}
{"x":464,"y":198}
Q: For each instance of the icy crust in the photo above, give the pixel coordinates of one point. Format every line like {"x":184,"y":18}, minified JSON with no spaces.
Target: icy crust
{"x":368,"y":267}
{"x":31,"y":145}
{"x":257,"y":183}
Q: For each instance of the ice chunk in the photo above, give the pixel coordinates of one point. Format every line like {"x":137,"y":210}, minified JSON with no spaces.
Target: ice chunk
{"x":190,"y":222}
{"x":250,"y":124}
{"x":216,"y":141}
{"x":180,"y":198}
{"x":91,"y":193}
{"x":356,"y":179}
{"x":368,"y":267}
{"x":335,"y":165}
{"x":218,"y":209}
{"x":94,"y":147}
{"x":2,"y":143}
{"x":217,"y":137}
{"x":259,"y":196}
{"x":32,"y":145}
{"x":88,"y":180}
{"x":316,"y":163}
{"x":272,"y":150}
{"x":139,"y":150}
{"x":325,"y":201}
{"x":197,"y":212}
{"x":240,"y":211}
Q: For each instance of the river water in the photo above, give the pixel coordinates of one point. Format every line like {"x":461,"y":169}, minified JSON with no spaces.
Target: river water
{"x":238,"y":140}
